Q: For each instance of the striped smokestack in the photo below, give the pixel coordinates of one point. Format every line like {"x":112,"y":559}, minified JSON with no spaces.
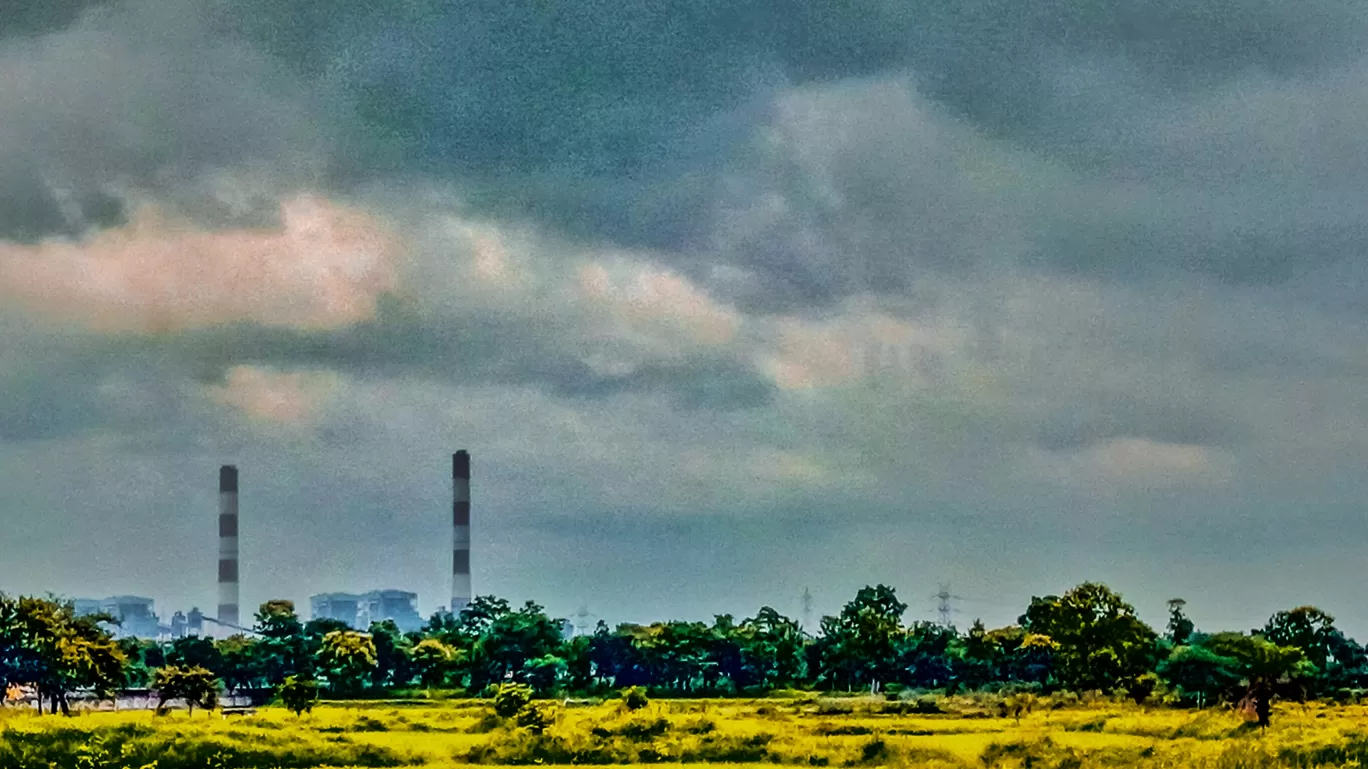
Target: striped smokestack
{"x":460,"y":543}
{"x":228,"y":545}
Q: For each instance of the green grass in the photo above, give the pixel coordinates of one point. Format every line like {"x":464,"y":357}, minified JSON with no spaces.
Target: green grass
{"x":795,"y":730}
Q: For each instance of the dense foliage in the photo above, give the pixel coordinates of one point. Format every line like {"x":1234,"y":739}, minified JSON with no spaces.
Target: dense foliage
{"x":1088,"y":639}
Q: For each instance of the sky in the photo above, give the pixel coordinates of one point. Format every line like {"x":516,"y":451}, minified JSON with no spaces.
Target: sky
{"x":727,"y":299}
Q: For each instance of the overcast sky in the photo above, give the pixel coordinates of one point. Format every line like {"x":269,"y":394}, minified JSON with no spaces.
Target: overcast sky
{"x":727,"y":299}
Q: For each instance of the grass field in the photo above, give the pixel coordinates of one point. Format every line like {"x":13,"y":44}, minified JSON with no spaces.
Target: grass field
{"x":806,"y":730}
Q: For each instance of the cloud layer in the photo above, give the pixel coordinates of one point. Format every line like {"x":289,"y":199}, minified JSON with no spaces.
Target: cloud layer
{"x":727,"y":300}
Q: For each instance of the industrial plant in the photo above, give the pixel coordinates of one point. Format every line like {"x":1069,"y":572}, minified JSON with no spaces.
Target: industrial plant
{"x":136,"y":616}
{"x":359,"y":611}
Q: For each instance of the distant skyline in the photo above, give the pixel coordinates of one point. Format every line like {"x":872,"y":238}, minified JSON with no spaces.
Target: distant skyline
{"x":726,"y":299}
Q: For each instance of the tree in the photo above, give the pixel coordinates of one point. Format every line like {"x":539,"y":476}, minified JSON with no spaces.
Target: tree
{"x":143,"y":658}
{"x":315,"y":630}
{"x":194,"y":651}
{"x":509,"y":641}
{"x":771,"y":650}
{"x":926,"y":655}
{"x":1179,"y":626}
{"x":1260,"y":659}
{"x":860,"y":645}
{"x":282,"y":650}
{"x":393,"y":663}
{"x":1102,"y":645}
{"x":1305,"y":627}
{"x":1201,"y":675}
{"x":44,"y":644}
{"x":433,"y":661}
{"x":669,"y":654}
{"x":298,"y":695}
{"x":239,"y":663}
{"x":195,"y":685}
{"x":545,"y":673}
{"x":1264,"y":665}
{"x":347,"y":659}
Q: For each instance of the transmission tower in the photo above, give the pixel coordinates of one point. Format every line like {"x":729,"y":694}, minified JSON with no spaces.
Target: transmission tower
{"x":582,"y":618}
{"x":944,"y":607}
{"x":807,"y":610}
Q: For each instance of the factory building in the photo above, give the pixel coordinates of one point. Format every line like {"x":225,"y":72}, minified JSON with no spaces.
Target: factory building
{"x":136,"y":615}
{"x":360,"y":610}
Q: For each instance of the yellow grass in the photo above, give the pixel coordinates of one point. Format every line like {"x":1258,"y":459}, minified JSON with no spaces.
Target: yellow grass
{"x":796,"y":732}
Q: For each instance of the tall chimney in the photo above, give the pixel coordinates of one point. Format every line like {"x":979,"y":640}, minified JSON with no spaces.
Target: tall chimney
{"x":228,"y":545}
{"x":460,"y":543}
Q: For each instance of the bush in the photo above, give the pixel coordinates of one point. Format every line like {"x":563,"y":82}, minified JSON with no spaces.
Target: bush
{"x":635,"y":698}
{"x":644,"y":731}
{"x":533,"y":718}
{"x":874,"y":750}
{"x":511,"y":698}
{"x":1142,"y":688}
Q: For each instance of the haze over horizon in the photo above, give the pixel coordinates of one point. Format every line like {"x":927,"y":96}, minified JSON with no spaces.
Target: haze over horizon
{"x":726,"y":300}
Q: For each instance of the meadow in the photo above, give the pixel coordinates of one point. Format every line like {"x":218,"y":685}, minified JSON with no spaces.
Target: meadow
{"x":798,"y":730}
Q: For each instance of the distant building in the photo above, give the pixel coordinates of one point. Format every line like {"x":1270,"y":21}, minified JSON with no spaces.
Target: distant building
{"x":359,"y":611}
{"x":179,"y":625}
{"x":135,"y":615}
{"x":567,"y":629}
{"x":343,"y":607}
{"x":194,"y":622}
{"x":397,"y":605}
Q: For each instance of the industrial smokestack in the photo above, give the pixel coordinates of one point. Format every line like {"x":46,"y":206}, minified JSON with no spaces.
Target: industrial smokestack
{"x":228,"y":545}
{"x":460,"y":543}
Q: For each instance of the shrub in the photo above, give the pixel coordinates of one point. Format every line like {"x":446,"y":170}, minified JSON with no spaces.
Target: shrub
{"x":701,"y":726}
{"x":533,"y":718}
{"x":874,"y":750}
{"x":635,"y":698}
{"x":1142,"y":688}
{"x":487,"y":723}
{"x":643,"y":731}
{"x":511,"y":698}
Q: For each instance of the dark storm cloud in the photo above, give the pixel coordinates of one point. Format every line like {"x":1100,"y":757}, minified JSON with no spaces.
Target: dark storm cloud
{"x":36,"y":17}
{"x":31,"y":210}
{"x":143,"y":99}
{"x":609,"y":87}
{"x":471,"y":353}
{"x":618,"y":122}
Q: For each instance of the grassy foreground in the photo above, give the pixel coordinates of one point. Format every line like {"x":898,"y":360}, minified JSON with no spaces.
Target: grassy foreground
{"x":806,"y":731}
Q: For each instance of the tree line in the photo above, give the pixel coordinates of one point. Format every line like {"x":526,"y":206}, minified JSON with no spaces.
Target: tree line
{"x":1086,"y":640}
